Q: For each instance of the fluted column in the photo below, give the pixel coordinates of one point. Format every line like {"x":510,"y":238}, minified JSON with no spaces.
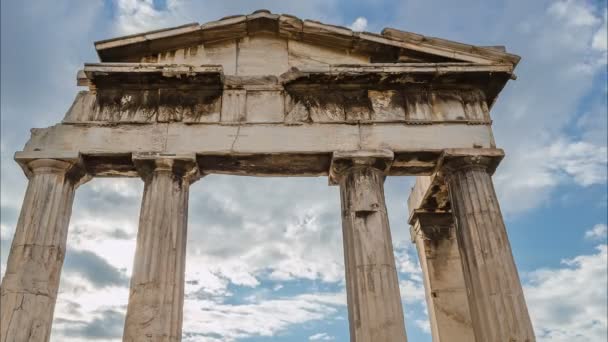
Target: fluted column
{"x":156,"y":298}
{"x":374,"y":304}
{"x":495,"y":295}
{"x":30,"y":284}
{"x":446,"y":297}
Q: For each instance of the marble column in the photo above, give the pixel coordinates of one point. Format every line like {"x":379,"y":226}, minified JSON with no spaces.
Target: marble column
{"x":30,"y":284}
{"x":495,"y":295}
{"x":156,"y":298}
{"x":446,"y":297}
{"x":374,"y":304}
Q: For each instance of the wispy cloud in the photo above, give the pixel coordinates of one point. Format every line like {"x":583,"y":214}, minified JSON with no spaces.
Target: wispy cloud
{"x":598,"y":232}
{"x":569,"y":303}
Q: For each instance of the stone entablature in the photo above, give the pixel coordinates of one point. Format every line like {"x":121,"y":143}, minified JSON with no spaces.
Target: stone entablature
{"x":407,"y":93}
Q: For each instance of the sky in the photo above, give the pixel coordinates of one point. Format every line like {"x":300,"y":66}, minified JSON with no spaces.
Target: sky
{"x":264,"y":257}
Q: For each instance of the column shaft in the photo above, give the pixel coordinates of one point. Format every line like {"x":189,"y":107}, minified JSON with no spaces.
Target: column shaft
{"x":30,"y":285}
{"x":156,"y":298}
{"x":374,"y":303}
{"x":445,"y":290}
{"x":496,"y":299}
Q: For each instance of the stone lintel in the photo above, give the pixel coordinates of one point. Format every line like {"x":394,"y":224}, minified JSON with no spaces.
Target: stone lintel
{"x":72,"y":162}
{"x":182,"y":165}
{"x":343,"y":160}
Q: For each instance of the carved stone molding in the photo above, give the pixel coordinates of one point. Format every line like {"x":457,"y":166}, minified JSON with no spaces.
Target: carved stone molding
{"x":70,"y":164}
{"x":454,"y":160}
{"x":342,"y":161}
{"x":183,"y":167}
{"x":432,"y":226}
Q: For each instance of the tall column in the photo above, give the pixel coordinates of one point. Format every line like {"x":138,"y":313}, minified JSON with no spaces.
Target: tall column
{"x":375,"y":312}
{"x":156,"y":298}
{"x":29,"y":288}
{"x":495,"y":295}
{"x":446,"y":297}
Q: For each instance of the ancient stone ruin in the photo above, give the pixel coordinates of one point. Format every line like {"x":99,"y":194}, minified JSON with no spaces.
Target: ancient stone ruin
{"x":273,"y":95}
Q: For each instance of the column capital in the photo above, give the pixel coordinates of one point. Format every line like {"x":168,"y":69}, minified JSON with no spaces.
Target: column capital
{"x":182,"y":166}
{"x":40,"y":162}
{"x":430,"y":225}
{"x":343,"y":161}
{"x":452,"y":160}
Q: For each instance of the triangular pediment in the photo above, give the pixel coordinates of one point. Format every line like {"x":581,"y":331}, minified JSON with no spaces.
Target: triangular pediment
{"x":267,"y":43}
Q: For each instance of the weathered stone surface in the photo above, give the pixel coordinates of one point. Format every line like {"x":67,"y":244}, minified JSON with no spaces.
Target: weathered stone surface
{"x":448,"y":106}
{"x":188,"y":106}
{"x":495,"y":296}
{"x":156,"y":298}
{"x":145,"y":106}
{"x":296,"y":111}
{"x":234,"y":106}
{"x":265,"y":106}
{"x":222,"y":52}
{"x":262,"y":54}
{"x":387,"y":105}
{"x":258,"y":138}
{"x":475,"y":105}
{"x":304,"y":55}
{"x":374,"y":303}
{"x":147,"y":93}
{"x":30,"y":284}
{"x":446,"y":296}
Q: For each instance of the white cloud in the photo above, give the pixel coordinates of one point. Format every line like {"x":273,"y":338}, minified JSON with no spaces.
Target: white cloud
{"x":265,"y":318}
{"x":584,"y":162}
{"x":424,"y":325}
{"x":258,"y":236}
{"x":600,"y":38}
{"x":568,"y":304}
{"x":574,"y":12}
{"x":321,"y":337}
{"x":412,"y":291}
{"x":80,"y":307}
{"x":360,"y":24}
{"x":526,"y":176}
{"x":598,"y":232}
{"x":135,"y":16}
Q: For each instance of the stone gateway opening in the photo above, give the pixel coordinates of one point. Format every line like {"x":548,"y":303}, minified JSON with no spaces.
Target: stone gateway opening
{"x":273,"y":95}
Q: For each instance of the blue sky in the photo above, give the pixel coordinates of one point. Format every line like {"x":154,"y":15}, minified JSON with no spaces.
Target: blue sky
{"x":265,"y":256}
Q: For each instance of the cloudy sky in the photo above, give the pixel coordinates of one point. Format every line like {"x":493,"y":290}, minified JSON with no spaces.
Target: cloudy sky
{"x":265,"y":258}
